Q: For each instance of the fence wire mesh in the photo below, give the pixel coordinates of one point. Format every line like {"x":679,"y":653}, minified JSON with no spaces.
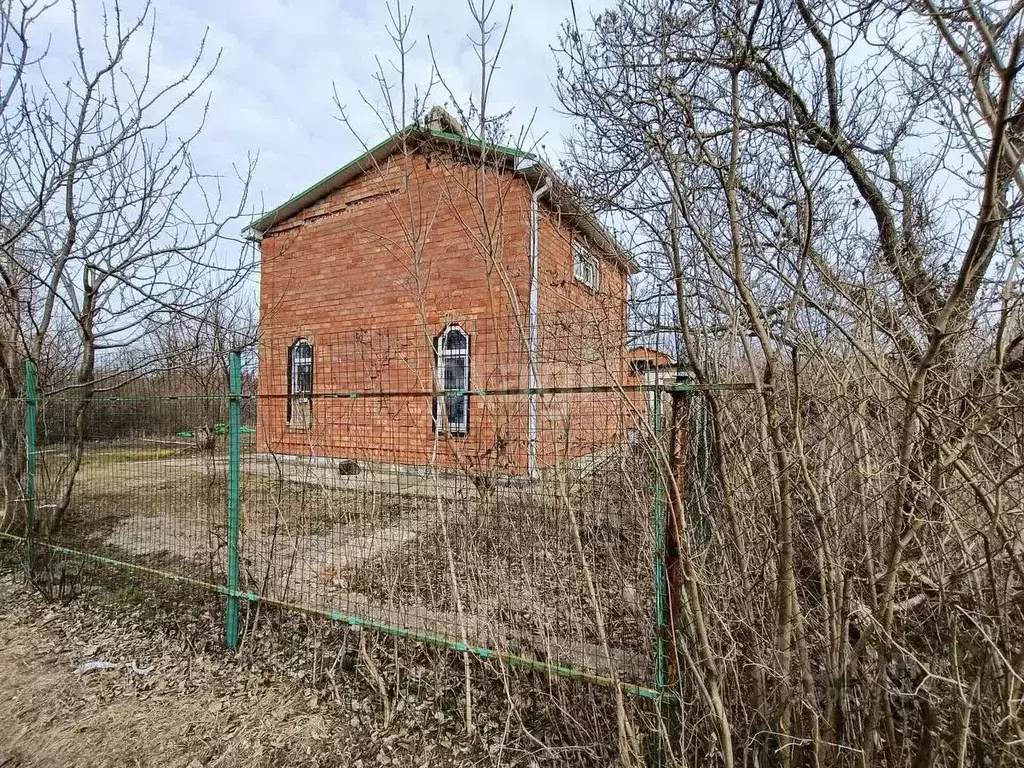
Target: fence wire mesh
{"x":563,"y":504}
{"x":145,"y":486}
{"x":453,"y":488}
{"x":418,"y":482}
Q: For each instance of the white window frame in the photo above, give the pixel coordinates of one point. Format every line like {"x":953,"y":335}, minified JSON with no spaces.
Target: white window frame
{"x":447,"y":425}
{"x":586,"y":267}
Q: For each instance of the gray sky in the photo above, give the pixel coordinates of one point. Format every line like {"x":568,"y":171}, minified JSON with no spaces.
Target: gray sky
{"x":281,"y":60}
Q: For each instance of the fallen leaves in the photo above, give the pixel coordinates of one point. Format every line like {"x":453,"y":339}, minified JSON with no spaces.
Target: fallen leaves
{"x":298,"y":693}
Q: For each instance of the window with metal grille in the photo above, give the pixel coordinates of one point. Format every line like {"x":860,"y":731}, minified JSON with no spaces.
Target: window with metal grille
{"x":300,"y":384}
{"x":585,"y":266}
{"x":451,"y":411}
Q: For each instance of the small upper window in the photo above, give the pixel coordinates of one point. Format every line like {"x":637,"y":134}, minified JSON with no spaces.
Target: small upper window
{"x":451,"y":411}
{"x":300,"y":384}
{"x":585,"y":266}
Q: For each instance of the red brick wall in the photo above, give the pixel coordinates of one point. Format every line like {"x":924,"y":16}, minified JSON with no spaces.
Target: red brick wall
{"x":583,"y":338}
{"x":367,"y":254}
{"x":372,"y":273}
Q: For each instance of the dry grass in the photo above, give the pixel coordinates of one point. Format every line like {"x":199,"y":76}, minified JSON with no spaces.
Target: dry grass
{"x":297,"y":693}
{"x":517,"y":569}
{"x":396,"y":551}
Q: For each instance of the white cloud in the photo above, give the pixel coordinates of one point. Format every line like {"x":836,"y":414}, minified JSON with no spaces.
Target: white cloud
{"x":272,"y":92}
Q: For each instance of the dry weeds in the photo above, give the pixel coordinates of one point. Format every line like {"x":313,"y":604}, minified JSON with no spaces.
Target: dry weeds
{"x":380,"y":549}
{"x":297,"y":693}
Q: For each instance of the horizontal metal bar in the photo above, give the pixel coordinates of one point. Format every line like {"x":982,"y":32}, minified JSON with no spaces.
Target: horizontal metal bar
{"x":113,"y":562}
{"x":611,"y":388}
{"x":480,"y":392}
{"x":369,"y":624}
{"x":131,"y":398}
{"x":453,"y":645}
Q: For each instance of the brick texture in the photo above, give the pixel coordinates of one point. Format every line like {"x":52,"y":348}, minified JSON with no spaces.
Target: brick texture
{"x":371,"y":274}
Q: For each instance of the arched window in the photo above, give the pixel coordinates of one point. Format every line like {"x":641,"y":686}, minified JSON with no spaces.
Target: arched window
{"x":451,"y":411}
{"x":300,"y":384}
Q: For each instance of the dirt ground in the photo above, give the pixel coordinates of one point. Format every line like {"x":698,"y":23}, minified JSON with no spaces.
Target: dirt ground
{"x":500,"y":568}
{"x":176,"y":697}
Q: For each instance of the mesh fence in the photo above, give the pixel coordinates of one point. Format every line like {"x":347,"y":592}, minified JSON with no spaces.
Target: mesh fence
{"x":453,"y":542}
{"x":494,"y":516}
{"x":611,"y":523}
{"x":145,"y":486}
{"x":467,"y":488}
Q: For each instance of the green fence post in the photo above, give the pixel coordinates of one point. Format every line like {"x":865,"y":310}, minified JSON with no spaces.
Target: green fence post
{"x":31,"y":413}
{"x":234,"y":495}
{"x":660,"y":505}
{"x":660,"y":595}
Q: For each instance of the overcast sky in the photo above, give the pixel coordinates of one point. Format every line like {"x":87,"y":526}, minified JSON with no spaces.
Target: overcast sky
{"x":282,"y":60}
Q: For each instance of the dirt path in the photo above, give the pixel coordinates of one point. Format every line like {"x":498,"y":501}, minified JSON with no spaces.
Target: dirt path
{"x":173,"y":702}
{"x":55,"y":716}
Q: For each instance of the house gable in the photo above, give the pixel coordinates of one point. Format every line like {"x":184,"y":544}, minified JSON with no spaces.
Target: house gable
{"x":443,"y":135}
{"x":392,"y":247}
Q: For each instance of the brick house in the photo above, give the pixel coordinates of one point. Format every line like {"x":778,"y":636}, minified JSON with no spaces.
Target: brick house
{"x":653,"y":367}
{"x":436,"y":262}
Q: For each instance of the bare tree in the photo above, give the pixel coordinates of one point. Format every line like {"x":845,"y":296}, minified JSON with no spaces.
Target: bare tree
{"x":196,"y":349}
{"x":457,"y":192}
{"x":829,"y":201}
{"x":108,"y":230}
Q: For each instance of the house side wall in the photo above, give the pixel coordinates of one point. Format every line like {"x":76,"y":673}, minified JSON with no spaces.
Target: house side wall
{"x":582,"y":343}
{"x":371,"y":274}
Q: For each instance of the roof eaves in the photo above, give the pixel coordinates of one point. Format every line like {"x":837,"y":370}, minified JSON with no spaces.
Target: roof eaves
{"x":560,"y":196}
{"x":477,"y":143}
{"x":333,"y":180}
{"x":525,"y":163}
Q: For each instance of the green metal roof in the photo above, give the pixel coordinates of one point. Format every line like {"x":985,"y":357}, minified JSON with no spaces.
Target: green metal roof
{"x":518,"y":154}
